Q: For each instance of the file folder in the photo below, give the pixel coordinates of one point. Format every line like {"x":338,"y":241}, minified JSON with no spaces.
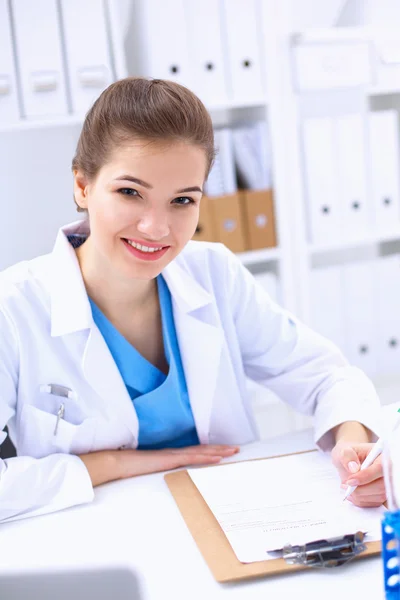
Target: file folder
{"x":220,"y":557}
{"x":360,"y":316}
{"x":9,"y":107}
{"x":39,"y":57}
{"x":385,"y":169}
{"x":244,"y":51}
{"x":206,"y":56}
{"x":253,"y":155}
{"x":327,"y":304}
{"x":205,"y":230}
{"x":227,"y":217}
{"x":323,"y":199}
{"x":387,"y":289}
{"x":351,"y":145}
{"x":259,"y":218}
{"x":161,"y":47}
{"x":87,"y":51}
{"x":222,"y":178}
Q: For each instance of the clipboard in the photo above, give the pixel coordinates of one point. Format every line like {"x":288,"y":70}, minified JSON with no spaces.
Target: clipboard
{"x":217,"y":551}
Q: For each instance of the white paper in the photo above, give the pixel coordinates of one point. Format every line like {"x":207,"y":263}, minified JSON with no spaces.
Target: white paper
{"x":265,"y":504}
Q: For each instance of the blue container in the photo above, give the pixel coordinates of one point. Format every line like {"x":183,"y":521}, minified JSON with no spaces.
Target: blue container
{"x":391,"y":554}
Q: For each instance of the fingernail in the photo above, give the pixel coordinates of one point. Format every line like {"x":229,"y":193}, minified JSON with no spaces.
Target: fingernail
{"x":352,"y":482}
{"x":344,"y":486}
{"x":352,"y":466}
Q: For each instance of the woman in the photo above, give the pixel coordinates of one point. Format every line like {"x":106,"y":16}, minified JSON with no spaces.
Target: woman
{"x":125,"y":350}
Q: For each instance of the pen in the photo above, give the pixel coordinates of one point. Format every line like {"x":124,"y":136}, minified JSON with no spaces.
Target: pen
{"x":376,"y":450}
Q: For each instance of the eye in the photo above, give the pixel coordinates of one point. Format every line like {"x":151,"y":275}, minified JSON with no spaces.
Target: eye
{"x":184,"y":201}
{"x":128,"y":192}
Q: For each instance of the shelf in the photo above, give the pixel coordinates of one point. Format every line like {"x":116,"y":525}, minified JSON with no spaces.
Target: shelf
{"x":369,"y":240}
{"x":234,"y":105}
{"x":382,"y":91}
{"x":26,"y":125}
{"x":340,"y":34}
{"x":67,"y":120}
{"x":254,"y":257}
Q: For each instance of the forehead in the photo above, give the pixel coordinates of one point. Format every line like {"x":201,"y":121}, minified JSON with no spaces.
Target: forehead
{"x":155,"y":161}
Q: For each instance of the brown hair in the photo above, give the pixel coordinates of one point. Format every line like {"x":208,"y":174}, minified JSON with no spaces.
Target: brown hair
{"x":150,"y":109}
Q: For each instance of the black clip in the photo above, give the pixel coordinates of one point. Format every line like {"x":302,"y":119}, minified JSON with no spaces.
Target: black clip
{"x":326,"y":553}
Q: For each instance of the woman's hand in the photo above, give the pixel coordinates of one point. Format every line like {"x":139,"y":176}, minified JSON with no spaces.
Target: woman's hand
{"x":109,"y":465}
{"x":347,"y":458}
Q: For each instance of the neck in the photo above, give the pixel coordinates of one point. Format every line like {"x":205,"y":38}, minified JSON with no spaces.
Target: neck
{"x":114,"y":295}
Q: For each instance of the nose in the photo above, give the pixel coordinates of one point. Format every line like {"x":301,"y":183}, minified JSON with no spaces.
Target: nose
{"x":154,"y":225}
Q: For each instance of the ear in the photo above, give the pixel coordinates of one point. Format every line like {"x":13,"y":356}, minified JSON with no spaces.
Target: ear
{"x":80,"y":189}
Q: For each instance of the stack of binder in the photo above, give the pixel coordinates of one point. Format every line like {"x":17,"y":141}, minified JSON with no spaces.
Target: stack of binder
{"x":213,"y":48}
{"x":356,"y":306}
{"x":242,"y":219}
{"x":352,"y":185}
{"x":54,"y":57}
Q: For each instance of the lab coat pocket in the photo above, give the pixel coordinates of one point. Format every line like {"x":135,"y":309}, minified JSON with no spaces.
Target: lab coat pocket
{"x":41,"y":434}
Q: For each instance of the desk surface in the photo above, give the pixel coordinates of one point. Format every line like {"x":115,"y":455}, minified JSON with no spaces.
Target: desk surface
{"x":136,"y":523}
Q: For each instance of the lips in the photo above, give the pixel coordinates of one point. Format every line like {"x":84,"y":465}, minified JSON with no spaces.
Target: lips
{"x":144,"y":247}
{"x":146,"y":253}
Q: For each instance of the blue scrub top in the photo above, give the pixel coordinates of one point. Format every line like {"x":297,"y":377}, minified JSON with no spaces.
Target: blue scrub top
{"x":161,"y":401}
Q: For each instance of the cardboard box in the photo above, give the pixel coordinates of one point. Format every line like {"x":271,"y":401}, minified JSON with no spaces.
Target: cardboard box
{"x":227,"y":217}
{"x":205,"y":231}
{"x":259,"y":218}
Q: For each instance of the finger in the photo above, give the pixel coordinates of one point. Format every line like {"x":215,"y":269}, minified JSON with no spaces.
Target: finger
{"x":153,"y":461}
{"x":187,"y":460}
{"x":368,"y":494}
{"x":347,"y":462}
{"x":372,"y":473}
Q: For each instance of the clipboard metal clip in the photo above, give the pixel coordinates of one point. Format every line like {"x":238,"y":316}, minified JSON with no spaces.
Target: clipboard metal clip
{"x":326,"y":553}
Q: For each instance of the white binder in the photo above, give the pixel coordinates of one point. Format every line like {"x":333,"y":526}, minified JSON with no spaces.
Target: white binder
{"x":40,"y":65}
{"x":87,"y":51}
{"x":327,"y":304}
{"x":9,"y":108}
{"x":208,"y":72}
{"x":387,"y":288}
{"x":323,"y":202}
{"x":352,"y":172}
{"x":385,"y":169}
{"x":162,"y":35}
{"x":244,"y":51}
{"x":222,"y":178}
{"x":360,"y":316}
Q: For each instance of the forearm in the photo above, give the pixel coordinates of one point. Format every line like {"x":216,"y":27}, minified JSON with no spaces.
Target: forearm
{"x":352,"y":431}
{"x":103,"y":466}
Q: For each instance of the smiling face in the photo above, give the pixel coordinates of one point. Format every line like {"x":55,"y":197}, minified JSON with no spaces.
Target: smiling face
{"x":143,"y":206}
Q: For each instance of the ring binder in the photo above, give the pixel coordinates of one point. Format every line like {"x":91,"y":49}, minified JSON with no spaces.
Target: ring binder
{"x":325,"y":553}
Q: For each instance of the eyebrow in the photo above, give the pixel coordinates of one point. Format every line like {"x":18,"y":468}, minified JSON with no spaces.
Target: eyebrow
{"x":194,"y":188}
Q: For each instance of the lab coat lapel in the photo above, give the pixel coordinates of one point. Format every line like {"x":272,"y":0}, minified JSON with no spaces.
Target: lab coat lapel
{"x":71,"y":313}
{"x":104,"y":377}
{"x":200,"y":344}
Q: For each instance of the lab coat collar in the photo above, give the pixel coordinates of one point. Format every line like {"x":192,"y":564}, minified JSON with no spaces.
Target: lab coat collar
{"x":70,"y":308}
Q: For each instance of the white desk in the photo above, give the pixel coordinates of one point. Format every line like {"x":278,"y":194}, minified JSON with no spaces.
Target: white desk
{"x":118,"y":528}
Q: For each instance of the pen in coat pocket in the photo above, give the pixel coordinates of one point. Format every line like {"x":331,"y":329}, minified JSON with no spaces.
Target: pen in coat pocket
{"x":60,"y":415}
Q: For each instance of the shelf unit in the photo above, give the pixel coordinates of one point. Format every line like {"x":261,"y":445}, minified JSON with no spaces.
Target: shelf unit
{"x":46,"y":147}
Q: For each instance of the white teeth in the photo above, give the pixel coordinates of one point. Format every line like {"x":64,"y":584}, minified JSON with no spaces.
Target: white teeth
{"x":143,"y":248}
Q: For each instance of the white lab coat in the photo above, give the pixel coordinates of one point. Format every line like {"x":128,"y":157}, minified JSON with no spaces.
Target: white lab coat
{"x":227,"y":327}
